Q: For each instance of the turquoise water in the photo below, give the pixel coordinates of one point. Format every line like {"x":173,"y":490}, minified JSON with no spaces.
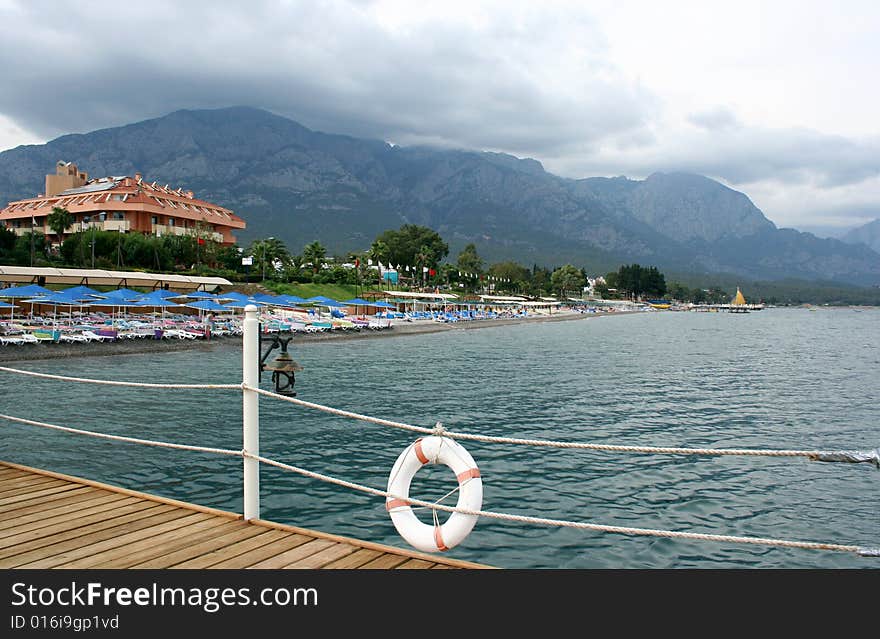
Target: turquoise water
{"x":781,"y":378}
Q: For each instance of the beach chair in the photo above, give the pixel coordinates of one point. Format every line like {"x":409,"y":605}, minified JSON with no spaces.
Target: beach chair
{"x":95,"y":337}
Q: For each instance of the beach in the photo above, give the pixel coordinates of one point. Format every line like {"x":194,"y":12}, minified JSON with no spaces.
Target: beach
{"x":399,"y":328}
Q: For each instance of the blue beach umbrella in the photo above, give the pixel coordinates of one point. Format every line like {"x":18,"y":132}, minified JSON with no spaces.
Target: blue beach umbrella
{"x":55,"y":299}
{"x":161,"y":292}
{"x":206,"y":305}
{"x":31,"y":290}
{"x":80,"y":292}
{"x":357,"y":302}
{"x":157,"y":302}
{"x":199,"y":295}
{"x":121,"y":295}
{"x":384,"y":305}
{"x":235,"y":295}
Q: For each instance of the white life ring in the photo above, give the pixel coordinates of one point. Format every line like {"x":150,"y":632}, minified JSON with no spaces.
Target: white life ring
{"x":470,"y":495}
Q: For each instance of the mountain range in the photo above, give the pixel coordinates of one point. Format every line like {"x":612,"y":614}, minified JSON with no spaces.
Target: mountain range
{"x":300,"y":185}
{"x":867,"y":234}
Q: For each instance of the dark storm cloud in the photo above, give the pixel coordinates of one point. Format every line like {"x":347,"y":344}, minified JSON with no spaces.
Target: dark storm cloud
{"x":532,"y":80}
{"x":329,"y":65}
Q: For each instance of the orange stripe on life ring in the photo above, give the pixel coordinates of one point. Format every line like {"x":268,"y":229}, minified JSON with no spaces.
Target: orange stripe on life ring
{"x":395,"y":503}
{"x":438,"y":539}
{"x":419,"y":453}
{"x":470,"y":473}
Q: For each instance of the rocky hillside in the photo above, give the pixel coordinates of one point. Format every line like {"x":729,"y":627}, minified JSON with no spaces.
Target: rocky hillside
{"x":300,"y":185}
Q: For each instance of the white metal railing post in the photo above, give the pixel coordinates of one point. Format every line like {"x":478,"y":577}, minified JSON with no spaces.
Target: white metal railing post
{"x":250,"y":375}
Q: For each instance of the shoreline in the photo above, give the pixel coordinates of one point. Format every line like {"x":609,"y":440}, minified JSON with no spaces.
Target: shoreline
{"x":36,"y":352}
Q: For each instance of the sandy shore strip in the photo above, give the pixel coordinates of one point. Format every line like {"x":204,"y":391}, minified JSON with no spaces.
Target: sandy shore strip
{"x":28,"y":352}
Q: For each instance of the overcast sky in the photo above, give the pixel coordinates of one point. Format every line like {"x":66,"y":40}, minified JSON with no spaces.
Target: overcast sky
{"x":776,"y":99}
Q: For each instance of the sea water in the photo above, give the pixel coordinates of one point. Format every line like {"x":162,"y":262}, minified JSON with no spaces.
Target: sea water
{"x":776,"y":379}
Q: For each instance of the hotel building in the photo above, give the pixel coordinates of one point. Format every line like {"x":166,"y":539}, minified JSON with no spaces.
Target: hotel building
{"x":124,"y":204}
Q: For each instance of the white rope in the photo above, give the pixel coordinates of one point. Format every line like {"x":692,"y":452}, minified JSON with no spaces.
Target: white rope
{"x":809,"y":545}
{"x":107,"y":382}
{"x":542,"y":521}
{"x":812,"y":454}
{"x":816,"y":455}
{"x":121,"y":438}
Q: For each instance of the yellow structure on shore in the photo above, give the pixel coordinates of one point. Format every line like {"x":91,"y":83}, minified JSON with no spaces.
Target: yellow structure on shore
{"x":739,"y":300}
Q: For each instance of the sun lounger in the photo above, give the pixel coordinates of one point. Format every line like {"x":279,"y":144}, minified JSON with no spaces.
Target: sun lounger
{"x":96,"y":337}
{"x":71,"y":338}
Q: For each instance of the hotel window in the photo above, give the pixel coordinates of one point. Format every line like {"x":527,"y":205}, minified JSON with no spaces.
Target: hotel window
{"x":118,"y":216}
{"x":155,"y":219}
{"x":170,"y":221}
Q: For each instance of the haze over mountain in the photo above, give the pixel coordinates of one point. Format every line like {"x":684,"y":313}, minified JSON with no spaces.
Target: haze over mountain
{"x":300,"y":185}
{"x":867,"y":234}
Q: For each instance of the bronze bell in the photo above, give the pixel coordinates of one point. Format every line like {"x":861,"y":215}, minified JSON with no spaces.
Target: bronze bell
{"x":283,"y":373}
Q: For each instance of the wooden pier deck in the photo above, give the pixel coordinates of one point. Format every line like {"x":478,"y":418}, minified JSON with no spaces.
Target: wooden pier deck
{"x":50,"y":520}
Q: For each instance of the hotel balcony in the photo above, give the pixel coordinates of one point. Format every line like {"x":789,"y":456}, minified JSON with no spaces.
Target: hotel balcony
{"x":123,"y":226}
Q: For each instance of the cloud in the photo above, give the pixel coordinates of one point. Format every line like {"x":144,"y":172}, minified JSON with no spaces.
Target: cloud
{"x":742,"y":156}
{"x":716,"y":119}
{"x":532,"y":79}
{"x":527,"y":80}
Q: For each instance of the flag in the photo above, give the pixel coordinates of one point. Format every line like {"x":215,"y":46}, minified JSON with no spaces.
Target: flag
{"x":357,"y":262}
{"x":424,"y":269}
{"x":201,"y":240}
{"x":369,"y":262}
{"x":432,"y":272}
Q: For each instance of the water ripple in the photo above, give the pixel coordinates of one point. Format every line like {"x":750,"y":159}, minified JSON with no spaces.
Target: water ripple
{"x":776,"y":379}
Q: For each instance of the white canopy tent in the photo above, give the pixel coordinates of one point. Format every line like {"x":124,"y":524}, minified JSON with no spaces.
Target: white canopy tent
{"x":99,"y":277}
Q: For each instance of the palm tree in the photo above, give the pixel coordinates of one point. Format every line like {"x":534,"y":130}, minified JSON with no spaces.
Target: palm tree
{"x":315,"y":253}
{"x":268,"y":252}
{"x":58,"y":220}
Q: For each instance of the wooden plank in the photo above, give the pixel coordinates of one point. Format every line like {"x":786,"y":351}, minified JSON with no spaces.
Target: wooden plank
{"x":243,"y":531}
{"x":415,"y":564}
{"x":69,"y":513}
{"x":149,"y":538}
{"x":74,"y":523}
{"x":167,"y":543}
{"x":232,"y":550}
{"x":458,"y":563}
{"x":36,"y":493}
{"x":37,"y":505}
{"x":144,"y":528}
{"x":384,"y":562}
{"x":82,"y":528}
{"x":324,"y":557}
{"x":288,"y":542}
{"x":6,"y":486}
{"x":75,"y":538}
{"x":124,"y":491}
{"x":300,"y":552}
{"x":354,"y":560}
{"x":441,"y":567}
{"x":14,"y":519}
